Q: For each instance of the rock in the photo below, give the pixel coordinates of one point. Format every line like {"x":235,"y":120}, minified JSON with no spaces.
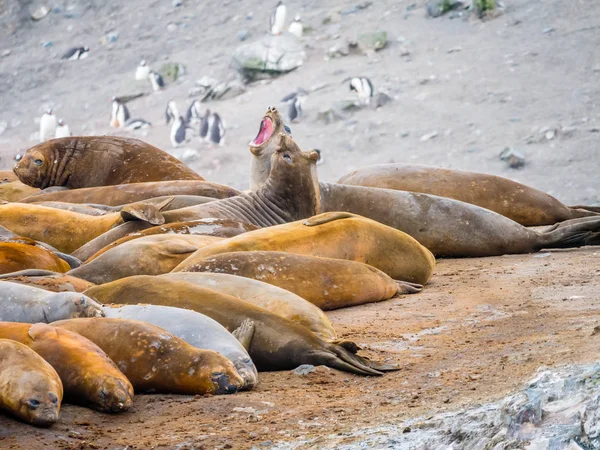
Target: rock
{"x":380,"y":99}
{"x":38,"y":12}
{"x":3,"y":127}
{"x":329,"y":115}
{"x":172,"y":71}
{"x":171,"y":28}
{"x":356,"y":8}
{"x":304,"y":369}
{"x":429,"y":136}
{"x":338,"y":51}
{"x":112,"y":36}
{"x":514,"y":157}
{"x":548,"y":30}
{"x":437,"y":8}
{"x":6,"y":53}
{"x":483,"y":8}
{"x":176,"y":3}
{"x":346,"y":105}
{"x":212,"y":89}
{"x":269,"y":56}
{"x":242,"y":35}
{"x":372,"y":41}
{"x":47,"y":44}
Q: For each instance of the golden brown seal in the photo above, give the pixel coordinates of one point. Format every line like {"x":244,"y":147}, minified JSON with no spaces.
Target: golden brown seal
{"x":87,"y":161}
{"x":47,"y":280}
{"x":20,"y":256}
{"x":15,"y":191}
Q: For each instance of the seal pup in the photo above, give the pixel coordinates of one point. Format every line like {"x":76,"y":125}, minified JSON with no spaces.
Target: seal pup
{"x":89,"y":377}
{"x":296,"y":28}
{"x":115,"y":159}
{"x":142,"y":71}
{"x":277,"y":20}
{"x":363,"y":88}
{"x":30,"y":389}
{"x":177,"y":133}
{"x":295,"y":100}
{"x":76,"y":53}
{"x":154,"y":360}
{"x":62,"y":129}
{"x":20,"y":303}
{"x":119,"y":113}
{"x":156,"y":81}
{"x":47,"y":125}
{"x":216,"y":130}
{"x":171,"y":113}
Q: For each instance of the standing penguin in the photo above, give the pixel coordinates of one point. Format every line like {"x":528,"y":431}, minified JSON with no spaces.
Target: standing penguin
{"x":62,"y":130}
{"x":216,"y":130}
{"x":47,"y":125}
{"x":119,"y":115}
{"x":278,"y":19}
{"x":172,"y":112}
{"x":156,"y":81}
{"x":205,"y":125}
{"x":178,"y":130}
{"x":295,"y":101}
{"x":194,"y":116}
{"x":143,"y":71}
{"x":76,"y":53}
{"x":296,"y":27}
{"x":363,"y":87}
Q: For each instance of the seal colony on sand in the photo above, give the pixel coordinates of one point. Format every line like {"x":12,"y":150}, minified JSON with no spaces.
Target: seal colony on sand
{"x":88,"y":161}
{"x":30,"y":389}
{"x":523,"y":204}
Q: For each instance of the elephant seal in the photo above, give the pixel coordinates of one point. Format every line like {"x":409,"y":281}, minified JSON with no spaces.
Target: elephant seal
{"x":325,"y":282}
{"x":207,"y":227}
{"x":6,"y":176}
{"x":88,"y":375}
{"x":15,"y":191}
{"x":445,"y":226}
{"x":115,"y":160}
{"x":79,"y":208}
{"x":16,"y":256}
{"x":196,"y":329}
{"x":277,"y":343}
{"x":149,"y":255}
{"x":523,"y":204}
{"x":30,"y":388}
{"x":20,"y":303}
{"x":154,"y":360}
{"x":47,"y":280}
{"x":333,"y":235}
{"x":272,"y":298}
{"x":123,"y":194}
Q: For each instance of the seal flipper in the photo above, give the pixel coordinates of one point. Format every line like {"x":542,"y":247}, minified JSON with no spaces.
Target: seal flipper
{"x":571,"y":233}
{"x":145,"y":211}
{"x":29,"y":273}
{"x":244,"y":333}
{"x":326,"y":218}
{"x":405,"y":287}
{"x":332,"y":359}
{"x":594,"y":209}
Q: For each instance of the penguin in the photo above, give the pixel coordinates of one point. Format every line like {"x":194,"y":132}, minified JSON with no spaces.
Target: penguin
{"x":143,"y":71}
{"x":178,"y":130}
{"x":156,"y":81}
{"x":120,"y":114}
{"x":76,"y":53}
{"x":194,"y":116}
{"x":137,"y":124}
{"x":363,"y":87}
{"x":278,"y":19}
{"x":47,"y":125}
{"x":295,"y":101}
{"x":204,"y":125}
{"x":216,"y":130}
{"x":296,"y":28}
{"x":172,"y":112}
{"x":62,"y":130}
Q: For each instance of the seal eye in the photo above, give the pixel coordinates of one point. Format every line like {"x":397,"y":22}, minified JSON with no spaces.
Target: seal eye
{"x":287,"y":130}
{"x":33,"y":404}
{"x":287,"y":157}
{"x":37,"y":162}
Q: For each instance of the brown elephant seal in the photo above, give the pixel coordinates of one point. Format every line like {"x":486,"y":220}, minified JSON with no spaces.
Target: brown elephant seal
{"x":196,"y":329}
{"x":325,"y":282}
{"x":129,"y":231}
{"x":333,"y":235}
{"x":79,"y":208}
{"x":123,"y":194}
{"x":20,"y":303}
{"x":30,"y":388}
{"x":283,"y":303}
{"x":149,"y":255}
{"x":17,"y":256}
{"x":88,"y":375}
{"x":6,"y":176}
{"x":154,"y":360}
{"x":15,"y":191}
{"x":115,"y":160}
{"x":47,"y":280}
{"x":521,"y":203}
{"x":277,"y":343}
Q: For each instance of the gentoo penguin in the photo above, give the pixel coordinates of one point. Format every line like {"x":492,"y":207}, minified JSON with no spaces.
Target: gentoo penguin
{"x":156,"y":81}
{"x":136,"y":124}
{"x":296,"y":27}
{"x":62,"y":130}
{"x":194,"y":116}
{"x":363,"y":87}
{"x":278,"y":19}
{"x":76,"y":53}
{"x":178,"y":129}
{"x":216,"y":130}
{"x":172,"y":112}
{"x":119,"y":115}
{"x":47,"y":125}
{"x":295,"y":101}
{"x":143,"y":71}
{"x":204,"y":125}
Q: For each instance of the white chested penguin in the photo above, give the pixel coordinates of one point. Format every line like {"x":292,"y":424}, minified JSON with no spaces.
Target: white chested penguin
{"x":119,"y":115}
{"x":76,"y":53}
{"x":295,"y":101}
{"x":278,"y":19}
{"x":137,"y":124}
{"x":171,"y":112}
{"x":194,"y":114}
{"x":156,"y":81}
{"x":143,"y":71}
{"x":178,"y":129}
{"x":216,"y":129}
{"x":62,"y":130}
{"x":296,"y":28}
{"x":363,"y":88}
{"x":47,"y":125}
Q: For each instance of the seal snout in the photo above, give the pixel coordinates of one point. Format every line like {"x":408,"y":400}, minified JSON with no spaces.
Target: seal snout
{"x":223,"y":385}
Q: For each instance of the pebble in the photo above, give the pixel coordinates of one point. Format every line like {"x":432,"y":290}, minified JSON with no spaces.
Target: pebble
{"x":428,"y":136}
{"x":46,"y":44}
{"x":548,"y":30}
{"x":6,"y":52}
{"x":171,"y":28}
{"x":514,"y":157}
{"x":242,"y":35}
{"x":177,"y":3}
{"x":39,"y":13}
{"x":304,"y":369}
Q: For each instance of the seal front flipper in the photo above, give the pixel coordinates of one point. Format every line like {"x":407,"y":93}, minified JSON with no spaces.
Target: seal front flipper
{"x":145,"y":211}
{"x":244,"y":333}
{"x":405,"y":287}
{"x":352,"y":348}
{"x":326,"y":218}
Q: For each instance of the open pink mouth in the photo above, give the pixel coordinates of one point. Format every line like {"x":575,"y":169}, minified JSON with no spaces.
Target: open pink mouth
{"x":264,"y":133}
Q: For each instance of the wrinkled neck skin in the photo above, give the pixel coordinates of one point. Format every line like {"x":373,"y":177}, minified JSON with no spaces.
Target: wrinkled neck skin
{"x":61,"y":161}
{"x":261,"y":164}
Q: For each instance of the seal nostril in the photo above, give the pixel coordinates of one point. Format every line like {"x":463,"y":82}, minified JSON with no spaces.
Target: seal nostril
{"x":53,"y":398}
{"x":102,"y":394}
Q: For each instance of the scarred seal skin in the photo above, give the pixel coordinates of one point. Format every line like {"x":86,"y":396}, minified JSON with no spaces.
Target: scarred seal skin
{"x":325,"y":282}
{"x":87,"y":161}
{"x":277,"y":343}
{"x":16,"y":256}
{"x":154,"y":360}
{"x":333,"y":235}
{"x":30,"y":389}
{"x":88,"y":375}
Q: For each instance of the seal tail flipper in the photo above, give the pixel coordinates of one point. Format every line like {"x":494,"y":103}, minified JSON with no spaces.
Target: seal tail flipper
{"x":405,"y":287}
{"x":353,"y":348}
{"x":244,"y":333}
{"x":594,"y":209}
{"x":332,"y":359}
{"x":571,"y":233}
{"x":145,"y":211}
